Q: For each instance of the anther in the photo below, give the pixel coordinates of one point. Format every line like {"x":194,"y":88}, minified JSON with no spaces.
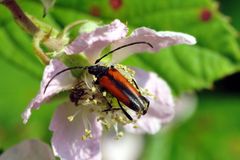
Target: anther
{"x":119,"y":135}
{"x":94,"y":78}
{"x":93,"y":89}
{"x":104,"y":94}
{"x":95,"y":101}
{"x":70,"y":118}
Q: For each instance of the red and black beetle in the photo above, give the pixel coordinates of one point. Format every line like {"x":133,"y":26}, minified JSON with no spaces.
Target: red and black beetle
{"x":111,"y":80}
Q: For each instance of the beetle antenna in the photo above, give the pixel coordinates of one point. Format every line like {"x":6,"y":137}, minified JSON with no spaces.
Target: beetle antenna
{"x":60,"y":72}
{"x":126,"y":45}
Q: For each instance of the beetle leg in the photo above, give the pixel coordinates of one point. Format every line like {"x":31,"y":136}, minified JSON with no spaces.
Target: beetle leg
{"x":111,"y":109}
{"x":135,"y":83}
{"x":142,"y":97}
{"x":148,"y":103}
{"x":110,"y":106}
{"x":124,"y":111}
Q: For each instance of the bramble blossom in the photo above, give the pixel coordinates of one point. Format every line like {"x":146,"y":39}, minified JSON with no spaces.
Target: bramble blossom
{"x":77,"y":127}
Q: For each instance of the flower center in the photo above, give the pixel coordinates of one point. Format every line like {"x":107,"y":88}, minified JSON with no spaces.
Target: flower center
{"x":89,"y":97}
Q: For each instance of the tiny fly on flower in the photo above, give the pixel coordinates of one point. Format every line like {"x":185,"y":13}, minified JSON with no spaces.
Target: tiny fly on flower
{"x":112,"y":81}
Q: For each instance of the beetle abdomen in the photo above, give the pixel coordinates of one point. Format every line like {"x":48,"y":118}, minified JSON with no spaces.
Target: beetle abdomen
{"x":116,"y":84}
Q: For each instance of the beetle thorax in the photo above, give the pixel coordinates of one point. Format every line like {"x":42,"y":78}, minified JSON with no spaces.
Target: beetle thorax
{"x":97,"y":70}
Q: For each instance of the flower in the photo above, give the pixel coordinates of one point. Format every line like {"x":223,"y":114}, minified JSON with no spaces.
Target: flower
{"x":77,"y":125}
{"x":28,"y":149}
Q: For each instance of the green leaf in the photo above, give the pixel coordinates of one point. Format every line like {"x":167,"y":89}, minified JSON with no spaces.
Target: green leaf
{"x":20,"y":78}
{"x":212,"y":133}
{"x":15,"y":53}
{"x":231,"y":9}
{"x":186,"y":67}
{"x":216,"y":55}
{"x":47,"y":4}
{"x":17,"y":90}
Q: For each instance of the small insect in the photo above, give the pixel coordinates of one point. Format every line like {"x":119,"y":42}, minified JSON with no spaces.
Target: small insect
{"x":112,"y":81}
{"x":77,"y":93}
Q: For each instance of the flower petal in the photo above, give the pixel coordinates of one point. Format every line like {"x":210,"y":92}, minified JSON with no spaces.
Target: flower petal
{"x":66,"y":140}
{"x":122,"y":148}
{"x":94,"y":42}
{"x":29,"y":149}
{"x":62,"y":82}
{"x":146,"y":124}
{"x":157,"y":39}
{"x":161,"y":109}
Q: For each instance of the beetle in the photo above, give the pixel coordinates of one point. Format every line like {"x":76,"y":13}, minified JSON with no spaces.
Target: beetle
{"x":112,"y":81}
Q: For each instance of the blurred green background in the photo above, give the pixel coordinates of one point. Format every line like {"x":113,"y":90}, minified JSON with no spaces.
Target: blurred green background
{"x":210,"y":68}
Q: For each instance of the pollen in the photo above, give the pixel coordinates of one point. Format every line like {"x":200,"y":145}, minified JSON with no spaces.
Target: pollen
{"x":94,"y":78}
{"x":119,"y":135}
{"x":87,"y":135}
{"x":94,"y":89}
{"x":135,"y":126}
{"x":87,"y":100}
{"x":70,"y":118}
{"x":121,"y":119}
{"x":95,"y":101}
{"x":104,"y":94}
{"x":126,"y":72}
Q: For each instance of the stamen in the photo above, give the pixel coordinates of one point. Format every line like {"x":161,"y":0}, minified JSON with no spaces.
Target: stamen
{"x":105,"y":123}
{"x":71,"y":118}
{"x":87,"y":135}
{"x":87,"y":127}
{"x":115,"y":126}
{"x":126,"y":72}
{"x":87,"y":100}
{"x":121,"y":119}
{"x":94,"y":78}
{"x":135,"y":126}
{"x":146,"y":92}
{"x":93,"y":97}
{"x":95,"y":101}
{"x":119,"y":135}
{"x":86,"y":80}
{"x":94,"y":89}
{"x":104,"y":94}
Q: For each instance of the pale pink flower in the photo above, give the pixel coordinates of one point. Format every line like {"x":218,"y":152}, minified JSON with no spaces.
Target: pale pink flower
{"x":71,"y":122}
{"x":28,"y":150}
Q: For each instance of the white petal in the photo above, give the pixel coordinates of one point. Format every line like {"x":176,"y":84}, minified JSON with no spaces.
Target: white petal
{"x":28,"y":150}
{"x":62,"y":82}
{"x":157,"y":39}
{"x":129,"y":147}
{"x":161,"y":109}
{"x":66,"y":140}
{"x":146,"y":124}
{"x":94,"y":42}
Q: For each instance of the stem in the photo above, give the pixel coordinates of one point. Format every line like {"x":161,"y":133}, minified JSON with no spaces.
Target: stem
{"x":20,"y":17}
{"x":25,"y":23}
